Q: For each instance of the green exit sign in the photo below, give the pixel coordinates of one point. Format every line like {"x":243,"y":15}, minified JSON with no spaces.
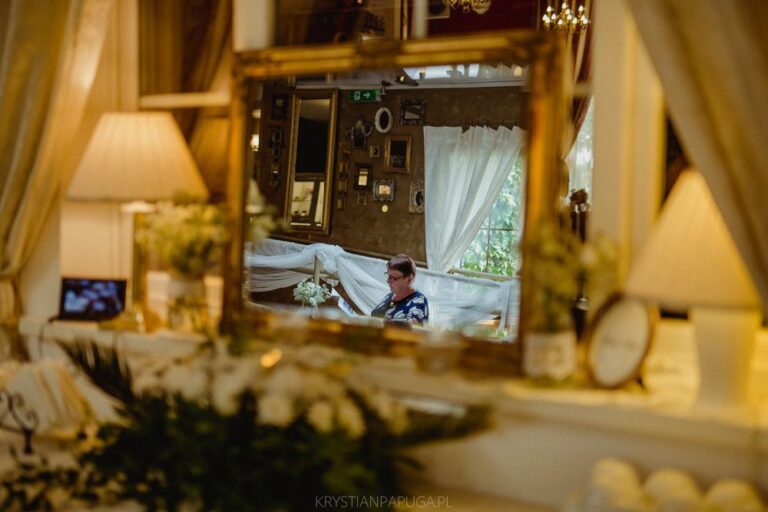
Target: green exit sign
{"x":364,"y":95}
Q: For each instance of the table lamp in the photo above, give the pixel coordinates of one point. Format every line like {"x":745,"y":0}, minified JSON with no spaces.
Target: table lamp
{"x":136,"y":157}
{"x":690,"y":261}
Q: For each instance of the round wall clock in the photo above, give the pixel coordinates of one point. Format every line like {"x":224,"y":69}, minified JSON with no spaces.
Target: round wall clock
{"x":618,"y":340}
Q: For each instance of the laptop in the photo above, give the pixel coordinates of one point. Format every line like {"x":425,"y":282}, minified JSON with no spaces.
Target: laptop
{"x":91,"y":300}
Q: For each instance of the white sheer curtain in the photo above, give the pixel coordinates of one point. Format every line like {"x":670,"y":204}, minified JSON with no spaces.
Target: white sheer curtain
{"x":712,"y":59}
{"x":453,"y":300}
{"x":579,"y":158}
{"x":463,"y":175}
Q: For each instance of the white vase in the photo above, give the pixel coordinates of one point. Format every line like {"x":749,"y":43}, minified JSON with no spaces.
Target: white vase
{"x":187,"y":304}
{"x":550,"y":355}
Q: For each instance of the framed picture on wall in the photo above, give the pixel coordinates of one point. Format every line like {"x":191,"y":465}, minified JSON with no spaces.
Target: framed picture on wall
{"x":384,"y":190}
{"x":397,"y":153}
{"x":363,"y":177}
{"x":413,"y":112}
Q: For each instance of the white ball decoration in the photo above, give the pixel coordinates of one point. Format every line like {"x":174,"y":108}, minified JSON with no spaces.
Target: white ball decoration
{"x":614,"y":487}
{"x":672,"y":490}
{"x":733,"y":496}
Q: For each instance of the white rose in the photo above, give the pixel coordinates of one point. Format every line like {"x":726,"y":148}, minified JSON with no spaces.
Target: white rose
{"x":275,"y":410}
{"x":148,"y":376}
{"x":382,"y":404}
{"x":231,"y":379}
{"x":350,"y":418}
{"x":320,"y":416}
{"x":285,"y":380}
{"x":394,"y":413}
{"x":318,"y":385}
{"x":190,"y":381}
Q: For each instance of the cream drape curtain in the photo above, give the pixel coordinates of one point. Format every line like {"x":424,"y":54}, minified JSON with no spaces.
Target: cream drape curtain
{"x":712,"y":59}
{"x":49,"y":54}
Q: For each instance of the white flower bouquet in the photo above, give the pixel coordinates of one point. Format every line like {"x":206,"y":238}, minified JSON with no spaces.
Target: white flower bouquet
{"x":560,"y":267}
{"x":268,"y":431}
{"x":311,"y":294}
{"x":188,"y":237}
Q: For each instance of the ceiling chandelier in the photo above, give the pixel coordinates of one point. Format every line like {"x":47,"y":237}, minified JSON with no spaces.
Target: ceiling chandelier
{"x":565,"y":19}
{"x":479,"y":6}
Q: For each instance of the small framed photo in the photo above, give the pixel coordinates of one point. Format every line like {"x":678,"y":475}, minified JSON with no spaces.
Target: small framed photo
{"x":374,"y":152}
{"x":618,"y":340}
{"x":397,"y":153}
{"x":280,"y":107}
{"x":384,"y":190}
{"x":363,"y":177}
{"x":413,"y":112}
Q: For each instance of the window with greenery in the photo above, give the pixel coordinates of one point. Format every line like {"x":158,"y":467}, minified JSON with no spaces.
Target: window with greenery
{"x":496,"y":248}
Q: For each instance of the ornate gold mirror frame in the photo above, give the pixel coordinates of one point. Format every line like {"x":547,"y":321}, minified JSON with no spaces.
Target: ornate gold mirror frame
{"x":317,"y":216}
{"x":542,"y":53}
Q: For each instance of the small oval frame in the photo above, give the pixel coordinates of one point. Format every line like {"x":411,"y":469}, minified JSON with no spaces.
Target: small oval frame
{"x":618,"y":340}
{"x":381,"y":125}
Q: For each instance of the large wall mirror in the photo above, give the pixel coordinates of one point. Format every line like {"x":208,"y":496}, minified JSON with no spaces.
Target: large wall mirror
{"x":313,"y":129}
{"x":511,"y":79}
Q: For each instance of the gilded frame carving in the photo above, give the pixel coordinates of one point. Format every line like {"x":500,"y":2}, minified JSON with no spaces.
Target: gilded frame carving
{"x":547,"y":110}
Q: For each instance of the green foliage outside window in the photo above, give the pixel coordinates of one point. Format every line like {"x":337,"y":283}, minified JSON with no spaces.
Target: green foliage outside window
{"x":496,"y":247}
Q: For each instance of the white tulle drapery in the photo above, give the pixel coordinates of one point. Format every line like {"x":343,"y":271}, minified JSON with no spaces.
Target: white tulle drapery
{"x":463,"y":175}
{"x":454,"y":301}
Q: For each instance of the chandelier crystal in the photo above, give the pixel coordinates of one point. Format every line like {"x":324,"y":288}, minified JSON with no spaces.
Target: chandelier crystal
{"x":479,"y":6}
{"x":565,"y":19}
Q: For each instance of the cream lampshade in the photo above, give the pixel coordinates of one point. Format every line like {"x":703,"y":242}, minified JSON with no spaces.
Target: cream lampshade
{"x":136,"y":156}
{"x":690,"y":261}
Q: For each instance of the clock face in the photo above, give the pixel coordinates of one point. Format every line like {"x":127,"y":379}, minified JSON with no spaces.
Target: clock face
{"x":619,"y":339}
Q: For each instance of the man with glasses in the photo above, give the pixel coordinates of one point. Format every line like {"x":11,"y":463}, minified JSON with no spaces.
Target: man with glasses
{"x":404,"y":304}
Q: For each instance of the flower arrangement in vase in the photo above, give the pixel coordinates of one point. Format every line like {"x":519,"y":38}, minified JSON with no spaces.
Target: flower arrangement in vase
{"x":310,"y":294}
{"x":188,"y":238}
{"x":560,"y":267}
{"x":270,"y":430}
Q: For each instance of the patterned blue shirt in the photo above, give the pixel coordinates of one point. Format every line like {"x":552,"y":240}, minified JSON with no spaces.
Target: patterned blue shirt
{"x":413,"y":307}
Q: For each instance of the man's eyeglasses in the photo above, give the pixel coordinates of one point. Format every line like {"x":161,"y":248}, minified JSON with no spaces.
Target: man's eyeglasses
{"x":392,"y":279}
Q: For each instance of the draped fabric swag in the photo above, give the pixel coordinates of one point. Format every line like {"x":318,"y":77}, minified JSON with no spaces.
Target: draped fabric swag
{"x":463,"y":175}
{"x":454,"y":301}
{"x":712,"y":60}
{"x":49,"y":54}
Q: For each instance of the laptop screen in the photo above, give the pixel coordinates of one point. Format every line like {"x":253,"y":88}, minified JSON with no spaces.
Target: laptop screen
{"x":91,"y":299}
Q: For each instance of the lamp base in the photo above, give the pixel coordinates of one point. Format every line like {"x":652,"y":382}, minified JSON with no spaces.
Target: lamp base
{"x":725,"y":341}
{"x":132,"y":319}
